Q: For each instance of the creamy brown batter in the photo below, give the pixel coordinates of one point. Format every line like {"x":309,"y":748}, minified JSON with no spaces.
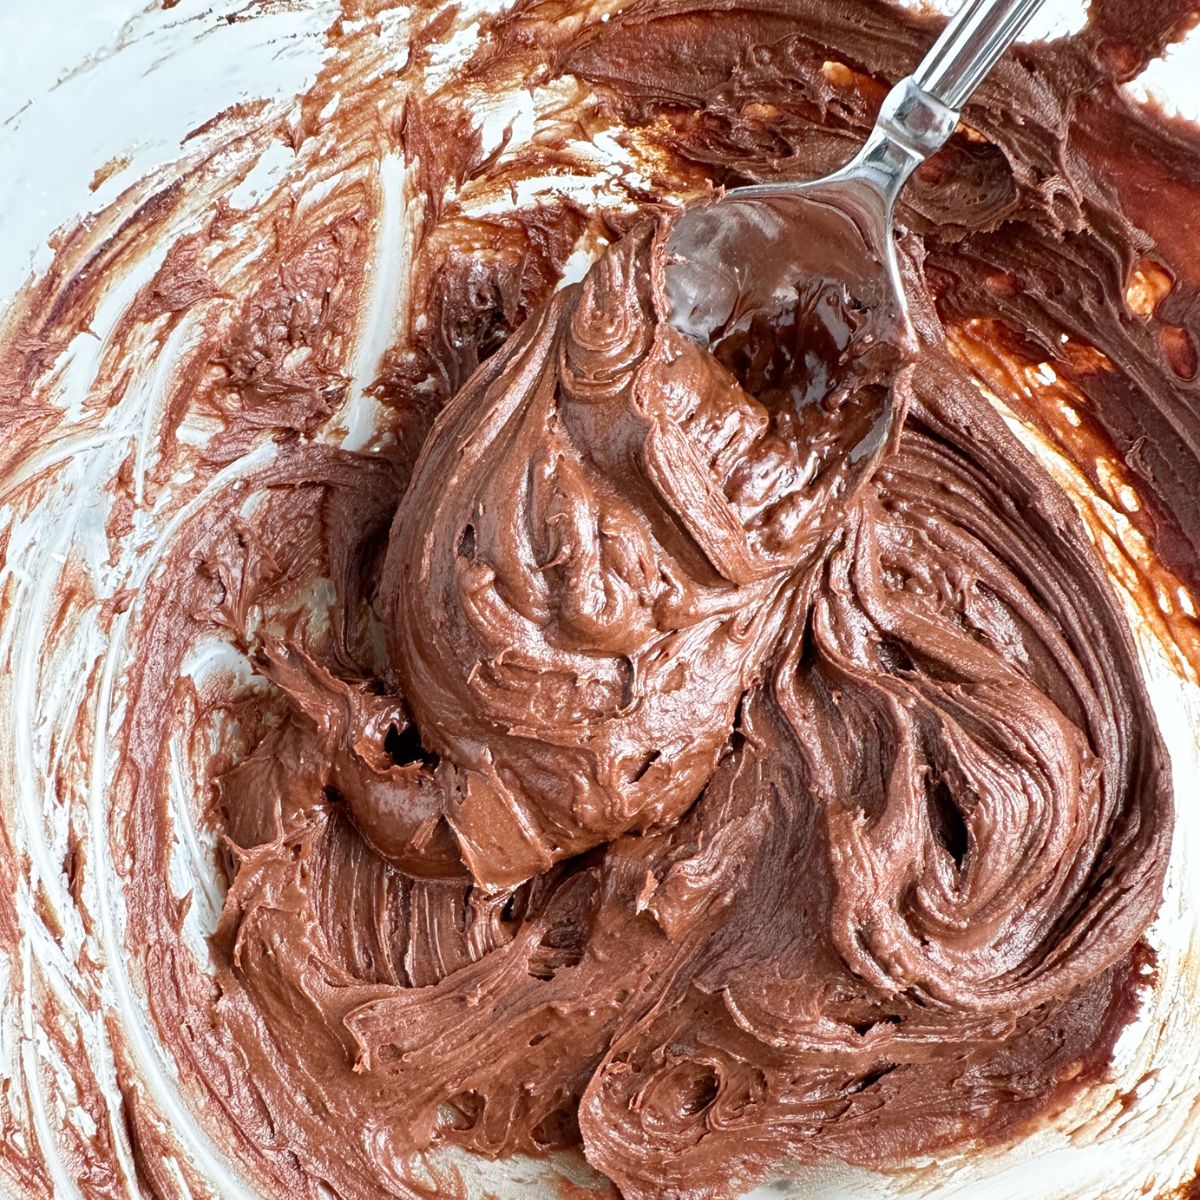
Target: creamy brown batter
{"x":758,"y":804}
{"x":672,"y":778}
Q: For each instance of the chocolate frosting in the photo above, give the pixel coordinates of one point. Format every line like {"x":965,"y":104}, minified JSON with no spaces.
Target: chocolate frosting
{"x":584,"y":577}
{"x":749,"y":803}
{"x":704,"y":759}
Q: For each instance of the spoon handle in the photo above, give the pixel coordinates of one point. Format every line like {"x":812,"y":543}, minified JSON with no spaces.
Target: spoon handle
{"x":921,"y":111}
{"x":969,"y":47}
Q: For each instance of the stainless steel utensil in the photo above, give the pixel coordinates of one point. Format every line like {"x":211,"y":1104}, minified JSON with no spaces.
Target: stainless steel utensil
{"x":744,"y":253}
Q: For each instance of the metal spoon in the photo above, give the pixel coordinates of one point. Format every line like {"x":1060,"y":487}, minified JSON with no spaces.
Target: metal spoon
{"x":749,"y":253}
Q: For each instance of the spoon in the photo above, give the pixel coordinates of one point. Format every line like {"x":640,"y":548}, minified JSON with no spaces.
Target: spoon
{"x":737,"y":263}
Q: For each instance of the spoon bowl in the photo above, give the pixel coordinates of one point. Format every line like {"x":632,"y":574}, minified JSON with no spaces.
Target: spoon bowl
{"x":749,"y":254}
